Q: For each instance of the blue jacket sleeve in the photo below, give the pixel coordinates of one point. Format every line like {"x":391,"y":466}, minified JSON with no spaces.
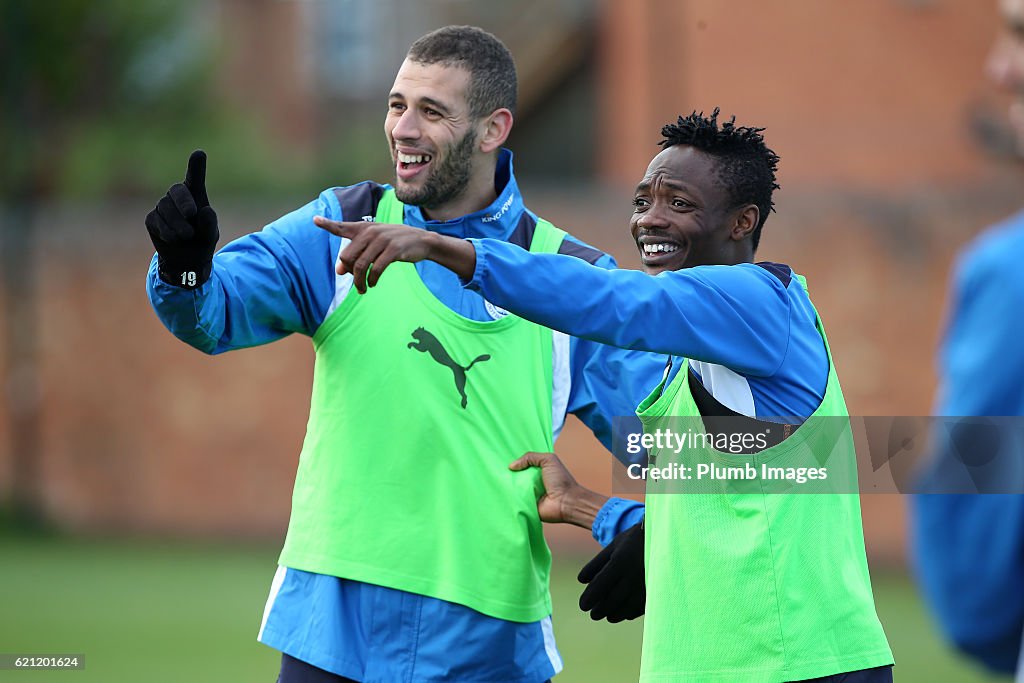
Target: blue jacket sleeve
{"x":968,"y":550}
{"x":264,"y":285}
{"x":614,"y":517}
{"x":736,"y":316}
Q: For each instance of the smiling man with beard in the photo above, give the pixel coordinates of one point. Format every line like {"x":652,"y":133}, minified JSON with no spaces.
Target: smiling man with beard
{"x":757,"y":586}
{"x":421,"y":392}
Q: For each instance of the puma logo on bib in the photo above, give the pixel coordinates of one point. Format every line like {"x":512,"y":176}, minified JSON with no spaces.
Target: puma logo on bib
{"x":427,"y":343}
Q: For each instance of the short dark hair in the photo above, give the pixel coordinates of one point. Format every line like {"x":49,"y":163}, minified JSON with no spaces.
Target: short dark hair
{"x":746,"y":167}
{"x":492,"y":72}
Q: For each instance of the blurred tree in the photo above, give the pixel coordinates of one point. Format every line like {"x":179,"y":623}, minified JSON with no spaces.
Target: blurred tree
{"x":72,"y":71}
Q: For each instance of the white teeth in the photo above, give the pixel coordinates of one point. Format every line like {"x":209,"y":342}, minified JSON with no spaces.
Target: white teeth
{"x":659,"y":248}
{"x":413,"y":158}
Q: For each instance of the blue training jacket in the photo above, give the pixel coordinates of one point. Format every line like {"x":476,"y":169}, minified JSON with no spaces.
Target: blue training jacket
{"x":968,"y":550}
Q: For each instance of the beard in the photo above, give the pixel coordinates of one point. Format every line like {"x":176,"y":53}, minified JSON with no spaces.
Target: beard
{"x":447,"y":181}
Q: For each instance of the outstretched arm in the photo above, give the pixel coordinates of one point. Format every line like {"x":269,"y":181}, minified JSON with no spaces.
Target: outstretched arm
{"x":736,"y":316}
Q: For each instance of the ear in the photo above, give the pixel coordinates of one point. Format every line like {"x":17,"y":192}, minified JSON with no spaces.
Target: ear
{"x":496,"y":129}
{"x":746,"y":221}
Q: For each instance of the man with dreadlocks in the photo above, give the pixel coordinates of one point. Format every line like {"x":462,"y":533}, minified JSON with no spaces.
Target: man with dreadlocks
{"x":740,"y":587}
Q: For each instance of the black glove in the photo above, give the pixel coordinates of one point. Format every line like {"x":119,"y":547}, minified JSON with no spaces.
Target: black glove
{"x":183,"y":228}
{"x":617,"y":589}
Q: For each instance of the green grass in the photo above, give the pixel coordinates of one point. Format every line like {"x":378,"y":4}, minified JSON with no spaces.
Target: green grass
{"x":920,"y":654}
{"x":137,"y":611}
{"x":142,"y":611}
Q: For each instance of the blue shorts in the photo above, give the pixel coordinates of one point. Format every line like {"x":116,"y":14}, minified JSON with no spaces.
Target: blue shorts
{"x":371,"y":633}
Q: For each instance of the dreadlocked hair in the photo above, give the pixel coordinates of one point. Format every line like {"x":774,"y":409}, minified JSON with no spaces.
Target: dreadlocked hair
{"x":746,"y":167}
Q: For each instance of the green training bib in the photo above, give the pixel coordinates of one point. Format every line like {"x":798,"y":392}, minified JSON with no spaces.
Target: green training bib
{"x":416,"y":412}
{"x":747,"y":583}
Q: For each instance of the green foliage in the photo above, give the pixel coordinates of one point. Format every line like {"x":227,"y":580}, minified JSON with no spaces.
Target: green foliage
{"x":108,"y":98}
{"x":63,"y":55}
{"x":98,"y":162}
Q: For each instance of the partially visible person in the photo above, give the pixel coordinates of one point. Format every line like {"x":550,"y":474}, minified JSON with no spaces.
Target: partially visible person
{"x":968,"y":549}
{"x":751,"y":585}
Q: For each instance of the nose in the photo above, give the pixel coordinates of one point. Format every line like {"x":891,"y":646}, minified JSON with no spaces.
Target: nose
{"x":407,"y":126}
{"x":652,"y":219}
